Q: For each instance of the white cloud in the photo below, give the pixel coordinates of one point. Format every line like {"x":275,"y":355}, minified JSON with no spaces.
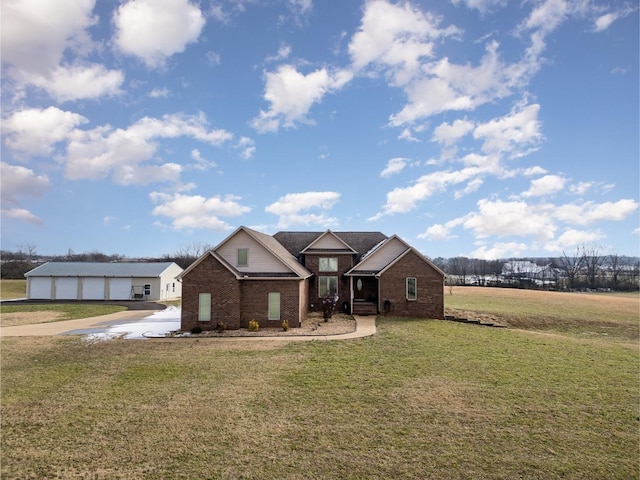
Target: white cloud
{"x":443,"y":86}
{"x":293,"y":208}
{"x":437,"y":232}
{"x":499,"y":250}
{"x":189,"y":212}
{"x":283,"y":52}
{"x":104,"y":151}
{"x":483,"y":6}
{"x":17,"y":182}
{"x":572,"y":237}
{"x":449,"y":133}
{"x":146,"y":174}
{"x":513,"y":133}
{"x":537,"y":170}
{"x":154,"y":30}
{"x":604,"y":21}
{"x":496,"y":218}
{"x":395,"y":165}
{"x":292,"y":94}
{"x":159,"y":93}
{"x":247,"y":147}
{"x":590,"y":212}
{"x":75,"y":82}
{"x":580,"y":188}
{"x":396,"y":39}
{"x":405,"y":199}
{"x":21,"y":214}
{"x":201,"y":163}
{"x":545,"y":186}
{"x":35,"y":131}
{"x":36,"y":33}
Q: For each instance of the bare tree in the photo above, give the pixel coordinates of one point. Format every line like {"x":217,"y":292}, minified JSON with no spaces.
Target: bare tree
{"x":572,"y":265}
{"x":593,"y":261}
{"x":188,"y":254}
{"x":616,"y":268}
{"x":459,"y":266}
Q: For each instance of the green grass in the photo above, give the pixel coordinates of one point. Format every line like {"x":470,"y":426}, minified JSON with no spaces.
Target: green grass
{"x":422,"y":399}
{"x":13,"y":289}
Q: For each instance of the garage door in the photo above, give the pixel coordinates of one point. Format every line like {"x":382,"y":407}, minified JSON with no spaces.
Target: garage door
{"x":119,"y":288}
{"x":40,"y":288}
{"x":66,"y":288}
{"x":92,"y":288}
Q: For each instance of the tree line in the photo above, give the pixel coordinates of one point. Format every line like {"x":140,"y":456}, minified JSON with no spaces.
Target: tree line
{"x":14,"y":264}
{"x":584,"y":268}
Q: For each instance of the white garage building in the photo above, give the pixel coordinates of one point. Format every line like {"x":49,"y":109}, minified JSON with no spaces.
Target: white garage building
{"x":104,"y":281}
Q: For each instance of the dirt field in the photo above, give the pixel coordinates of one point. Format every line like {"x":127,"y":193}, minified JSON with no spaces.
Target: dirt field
{"x":582,"y":313}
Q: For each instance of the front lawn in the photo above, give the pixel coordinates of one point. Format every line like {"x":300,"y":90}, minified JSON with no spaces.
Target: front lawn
{"x":421,"y":399}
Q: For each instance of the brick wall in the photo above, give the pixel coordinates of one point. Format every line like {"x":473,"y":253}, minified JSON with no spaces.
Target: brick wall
{"x":209,"y":276}
{"x":430,"y":299}
{"x":255,"y":302}
{"x":345,"y":263}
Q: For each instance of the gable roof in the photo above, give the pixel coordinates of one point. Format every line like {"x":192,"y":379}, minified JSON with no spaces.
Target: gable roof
{"x":328,"y":237}
{"x":281,"y":253}
{"x":359,"y":242}
{"x":269,"y":244}
{"x":422,"y":257}
{"x":379,"y":258}
{"x":100,"y":269}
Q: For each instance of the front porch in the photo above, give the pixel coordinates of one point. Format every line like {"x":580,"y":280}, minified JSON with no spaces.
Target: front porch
{"x":364,"y":295}
{"x":362,"y":307}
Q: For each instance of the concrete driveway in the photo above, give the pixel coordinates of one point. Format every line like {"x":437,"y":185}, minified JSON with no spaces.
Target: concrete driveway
{"x":365,"y":327}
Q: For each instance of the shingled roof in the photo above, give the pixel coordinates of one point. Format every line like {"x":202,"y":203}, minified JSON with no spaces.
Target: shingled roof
{"x":361,"y":242}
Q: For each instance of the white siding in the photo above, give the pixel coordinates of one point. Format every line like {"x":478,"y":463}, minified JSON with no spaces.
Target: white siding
{"x":119,"y":288}
{"x":39,"y":288}
{"x":171,"y":288}
{"x":383,"y":255}
{"x":328,"y":241}
{"x":66,"y":288}
{"x":260,"y":259}
{"x":92,"y":288}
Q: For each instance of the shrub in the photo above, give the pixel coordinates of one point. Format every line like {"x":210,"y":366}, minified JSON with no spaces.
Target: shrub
{"x":253,"y":326}
{"x":197,"y":329}
{"x":221,"y":327}
{"x":285,"y":325}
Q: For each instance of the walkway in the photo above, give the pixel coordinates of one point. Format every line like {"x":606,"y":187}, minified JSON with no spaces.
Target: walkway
{"x":365,"y":327}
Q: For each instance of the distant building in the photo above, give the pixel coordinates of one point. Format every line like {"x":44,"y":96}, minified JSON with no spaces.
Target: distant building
{"x":104,"y":281}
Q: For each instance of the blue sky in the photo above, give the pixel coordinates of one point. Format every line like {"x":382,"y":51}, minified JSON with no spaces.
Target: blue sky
{"x":484,"y":128}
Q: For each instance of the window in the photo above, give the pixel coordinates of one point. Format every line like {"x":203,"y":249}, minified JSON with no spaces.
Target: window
{"x":274,"y":306}
{"x":147,"y":289}
{"x":327,"y":286}
{"x":204,"y":307}
{"x":328,"y":264}
{"x":243,"y":257}
{"x":412,"y":288}
{"x":173,"y":287}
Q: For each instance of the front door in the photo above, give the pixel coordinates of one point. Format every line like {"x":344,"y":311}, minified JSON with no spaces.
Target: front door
{"x":365,"y":289}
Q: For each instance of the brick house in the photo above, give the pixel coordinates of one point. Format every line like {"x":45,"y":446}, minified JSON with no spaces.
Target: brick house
{"x":254,"y":276}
